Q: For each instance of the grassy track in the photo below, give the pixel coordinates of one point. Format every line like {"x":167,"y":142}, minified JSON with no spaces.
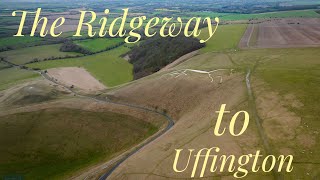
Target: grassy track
{"x":227,"y":37}
{"x":25,"y":55}
{"x":53,"y":143}
{"x":108,"y":67}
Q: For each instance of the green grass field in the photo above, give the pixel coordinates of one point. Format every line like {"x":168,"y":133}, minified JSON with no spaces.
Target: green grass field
{"x":227,"y":37}
{"x":296,"y":71}
{"x":25,"y":55}
{"x":277,"y":14}
{"x":108,"y":67}
{"x":99,"y":44}
{"x":18,"y":41}
{"x":54,"y":143}
{"x":12,"y":76}
{"x":3,"y":66}
{"x":9,"y":19}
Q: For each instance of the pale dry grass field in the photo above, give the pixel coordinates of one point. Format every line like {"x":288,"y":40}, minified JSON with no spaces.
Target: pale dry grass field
{"x":76,"y":77}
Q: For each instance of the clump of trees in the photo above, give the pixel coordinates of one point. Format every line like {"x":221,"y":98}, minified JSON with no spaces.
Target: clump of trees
{"x":156,"y":52}
{"x":69,"y":46}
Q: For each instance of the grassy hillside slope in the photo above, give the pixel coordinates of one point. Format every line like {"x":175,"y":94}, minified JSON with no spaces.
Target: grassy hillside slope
{"x":285,"y":83}
{"x":51,"y":143}
{"x":12,"y":76}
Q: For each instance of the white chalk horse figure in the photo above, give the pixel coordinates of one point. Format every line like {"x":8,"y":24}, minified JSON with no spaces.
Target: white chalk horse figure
{"x":209,"y":73}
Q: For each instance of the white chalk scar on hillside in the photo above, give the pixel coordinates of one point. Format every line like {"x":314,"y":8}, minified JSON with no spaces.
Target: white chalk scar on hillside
{"x":210,"y":74}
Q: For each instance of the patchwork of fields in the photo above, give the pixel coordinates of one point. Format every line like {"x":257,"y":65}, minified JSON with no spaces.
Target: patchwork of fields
{"x":26,"y":55}
{"x":67,"y":133}
{"x":268,"y":15}
{"x":108,"y":67}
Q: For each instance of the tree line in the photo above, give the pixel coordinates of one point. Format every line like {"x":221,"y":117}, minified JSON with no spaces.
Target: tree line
{"x":154,"y":53}
{"x":69,"y":46}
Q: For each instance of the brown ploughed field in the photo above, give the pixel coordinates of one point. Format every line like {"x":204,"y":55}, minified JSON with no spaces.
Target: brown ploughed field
{"x":283,"y":33}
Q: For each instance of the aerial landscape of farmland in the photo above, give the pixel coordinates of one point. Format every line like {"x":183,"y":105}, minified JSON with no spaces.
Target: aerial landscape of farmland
{"x":102,"y":107}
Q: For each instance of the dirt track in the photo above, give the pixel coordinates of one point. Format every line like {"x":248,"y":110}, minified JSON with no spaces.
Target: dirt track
{"x":245,"y":40}
{"x":283,"y":33}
